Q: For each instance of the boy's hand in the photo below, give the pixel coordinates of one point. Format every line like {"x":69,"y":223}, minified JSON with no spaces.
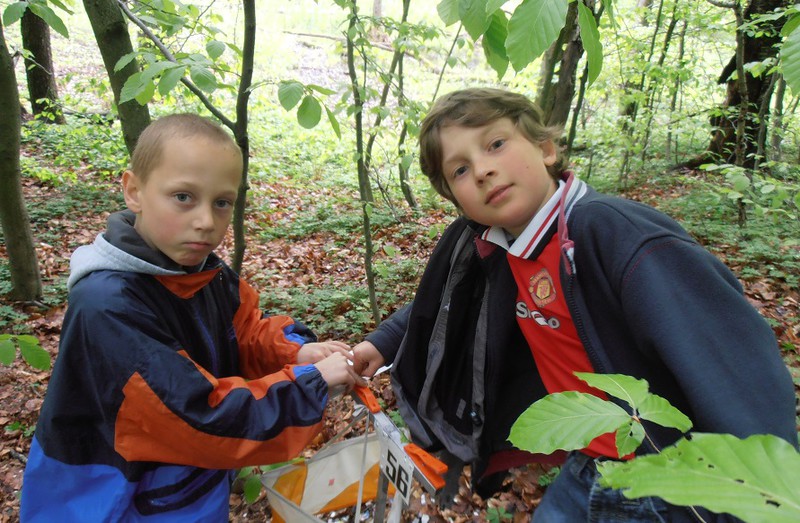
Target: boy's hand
{"x":336,"y":369}
{"x":314,"y":352}
{"x":366,"y":359}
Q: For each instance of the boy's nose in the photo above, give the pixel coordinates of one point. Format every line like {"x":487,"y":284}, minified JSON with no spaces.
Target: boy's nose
{"x":204,"y":219}
{"x":483,"y":170}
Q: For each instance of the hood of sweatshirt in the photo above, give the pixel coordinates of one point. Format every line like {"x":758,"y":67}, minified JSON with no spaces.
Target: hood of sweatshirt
{"x":120,"y":248}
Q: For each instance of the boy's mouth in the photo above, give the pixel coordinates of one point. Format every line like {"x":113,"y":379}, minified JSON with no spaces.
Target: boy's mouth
{"x":496,"y":193}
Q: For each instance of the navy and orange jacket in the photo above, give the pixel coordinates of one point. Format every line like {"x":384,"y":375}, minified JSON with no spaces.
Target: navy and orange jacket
{"x":164,"y":382}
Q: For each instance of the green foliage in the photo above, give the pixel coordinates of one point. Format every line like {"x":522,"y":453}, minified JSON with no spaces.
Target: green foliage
{"x":33,"y":354}
{"x":26,"y":430}
{"x":203,"y":60}
{"x":498,"y":515}
{"x":790,"y":51}
{"x":292,"y":92}
{"x":542,"y":426}
{"x":339,"y":311}
{"x":75,"y":146}
{"x":756,"y":479}
{"x":14,"y":12}
{"x":251,"y":477}
{"x":534,"y":25}
{"x":9,"y":317}
{"x":547,"y":478}
{"x":767,"y":247}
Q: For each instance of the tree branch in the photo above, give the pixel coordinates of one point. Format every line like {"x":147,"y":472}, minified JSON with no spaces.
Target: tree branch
{"x":169,"y":56}
{"x":724,"y":5}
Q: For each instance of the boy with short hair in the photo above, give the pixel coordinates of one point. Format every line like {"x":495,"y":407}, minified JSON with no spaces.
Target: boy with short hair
{"x":168,"y":375}
{"x":541,"y":264}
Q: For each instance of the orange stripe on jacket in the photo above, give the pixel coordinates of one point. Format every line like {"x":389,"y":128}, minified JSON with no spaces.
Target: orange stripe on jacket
{"x":224,"y":386}
{"x":263,"y":347}
{"x":147,"y":430}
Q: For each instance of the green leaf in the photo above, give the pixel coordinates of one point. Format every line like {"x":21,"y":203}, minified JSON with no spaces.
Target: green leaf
{"x":33,"y":354}
{"x":494,"y":5}
{"x":150,"y":71}
{"x":52,"y":19}
{"x":629,"y":437}
{"x":631,"y":390}
{"x":203,"y":78}
{"x":215,"y":48}
{"x":309,"y":112}
{"x":791,"y":24}
{"x":790,"y":60}
{"x":14,"y":12}
{"x":170,"y":79}
{"x":406,"y":161}
{"x":321,"y":90}
{"x":334,"y":123}
{"x":290,"y":93}
{"x":740,"y":182}
{"x":448,"y":11}
{"x":252,"y":488}
{"x":534,"y":25}
{"x":590,"y":37}
{"x":609,"y":6}
{"x":244,"y":472}
{"x":27,"y":338}
{"x":565,"y":420}
{"x":494,"y":43}
{"x":7,"y":352}
{"x":147,"y":92}
{"x":658,"y":410}
{"x":756,"y":479}
{"x":473,"y":15}
{"x":131,"y":88}
{"x":124,"y":61}
{"x":62,"y":6}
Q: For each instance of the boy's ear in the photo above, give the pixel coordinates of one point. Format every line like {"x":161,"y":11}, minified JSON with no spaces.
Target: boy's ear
{"x":549,"y":152}
{"x":132,"y":189}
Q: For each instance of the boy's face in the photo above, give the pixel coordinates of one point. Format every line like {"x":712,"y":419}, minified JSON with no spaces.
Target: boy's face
{"x":496,"y":175}
{"x":184,"y":207}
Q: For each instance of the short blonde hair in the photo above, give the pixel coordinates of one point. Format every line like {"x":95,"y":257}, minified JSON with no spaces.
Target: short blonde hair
{"x":150,"y":145}
{"x":477,"y":107}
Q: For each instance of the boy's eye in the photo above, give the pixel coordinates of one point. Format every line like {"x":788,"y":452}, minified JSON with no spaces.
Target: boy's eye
{"x":458,"y":171}
{"x":497,"y":144}
{"x":224,"y":204}
{"x":182,"y":197}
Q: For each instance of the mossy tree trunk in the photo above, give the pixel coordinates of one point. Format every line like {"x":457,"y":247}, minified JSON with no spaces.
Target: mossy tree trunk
{"x":25,"y":280}
{"x":39,"y":68}
{"x":114,"y":41}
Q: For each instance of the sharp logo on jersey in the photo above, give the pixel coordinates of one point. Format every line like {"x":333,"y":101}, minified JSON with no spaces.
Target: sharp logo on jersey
{"x":538,"y":317}
{"x":542,"y":289}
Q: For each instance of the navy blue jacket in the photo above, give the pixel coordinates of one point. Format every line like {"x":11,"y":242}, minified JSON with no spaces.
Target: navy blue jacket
{"x":164,"y":382}
{"x":647,"y":301}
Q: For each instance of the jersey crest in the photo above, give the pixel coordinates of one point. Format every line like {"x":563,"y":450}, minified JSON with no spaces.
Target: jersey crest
{"x":541,"y":288}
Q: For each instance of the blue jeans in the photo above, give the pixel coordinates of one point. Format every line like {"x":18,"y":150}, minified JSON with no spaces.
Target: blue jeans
{"x":576,"y":497}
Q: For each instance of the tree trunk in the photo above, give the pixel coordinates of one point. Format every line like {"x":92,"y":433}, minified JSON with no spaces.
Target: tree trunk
{"x":555,"y":97}
{"x":363,"y":174}
{"x":756,"y":48}
{"x":111,"y":32}
{"x":776,"y":140}
{"x":39,"y":68}
{"x":26,"y":284}
{"x":240,"y":129}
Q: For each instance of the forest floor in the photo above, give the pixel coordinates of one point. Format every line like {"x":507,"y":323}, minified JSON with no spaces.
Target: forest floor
{"x":22,"y":388}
